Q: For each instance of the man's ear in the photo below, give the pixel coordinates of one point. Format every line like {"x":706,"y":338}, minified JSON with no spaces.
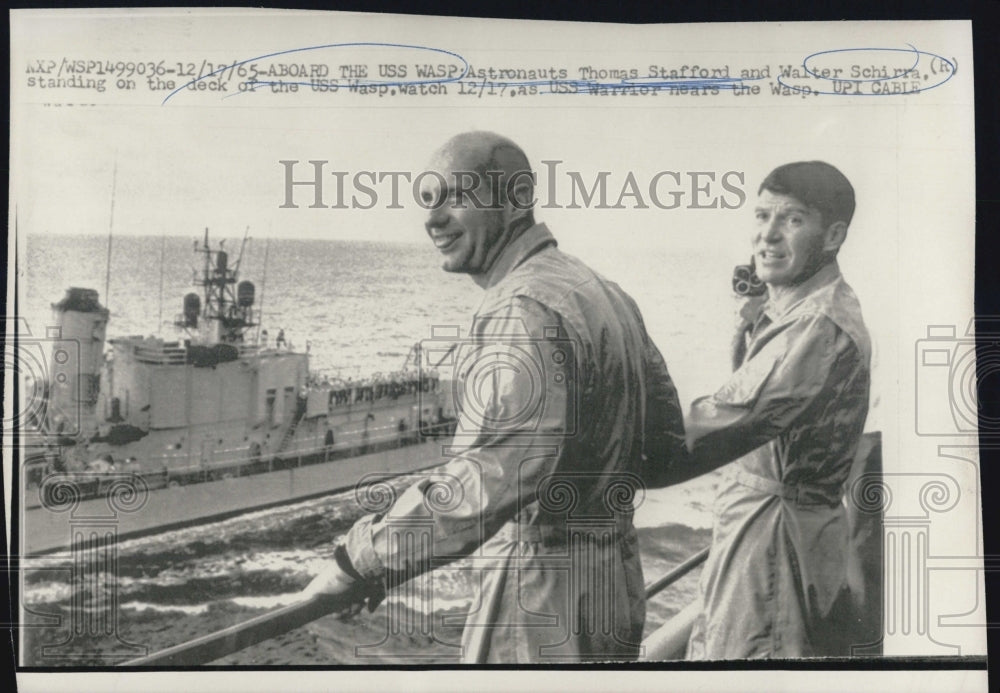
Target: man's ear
{"x":520,"y":197}
{"x":834,"y":236}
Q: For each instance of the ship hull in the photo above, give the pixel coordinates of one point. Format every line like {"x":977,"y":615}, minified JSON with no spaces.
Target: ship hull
{"x":61,"y":521}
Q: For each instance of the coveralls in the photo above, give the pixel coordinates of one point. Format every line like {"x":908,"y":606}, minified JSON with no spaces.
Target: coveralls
{"x":793,"y":413}
{"x":564,"y":406}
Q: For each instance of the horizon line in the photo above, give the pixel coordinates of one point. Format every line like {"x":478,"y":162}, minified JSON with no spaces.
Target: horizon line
{"x":199,"y":235}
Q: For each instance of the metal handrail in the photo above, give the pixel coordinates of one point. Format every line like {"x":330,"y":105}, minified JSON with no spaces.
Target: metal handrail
{"x":677,"y":573}
{"x":278,"y":621}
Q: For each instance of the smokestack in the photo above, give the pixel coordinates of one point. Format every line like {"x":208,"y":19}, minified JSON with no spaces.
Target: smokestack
{"x":77,"y":355}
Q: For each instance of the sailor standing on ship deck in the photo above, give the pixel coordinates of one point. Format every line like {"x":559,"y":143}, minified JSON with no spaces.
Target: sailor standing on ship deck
{"x":548,"y":458}
{"x":792,"y":414}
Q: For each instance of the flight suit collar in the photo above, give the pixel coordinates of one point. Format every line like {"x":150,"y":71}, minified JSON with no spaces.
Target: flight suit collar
{"x":517,"y":251}
{"x":775,"y":309}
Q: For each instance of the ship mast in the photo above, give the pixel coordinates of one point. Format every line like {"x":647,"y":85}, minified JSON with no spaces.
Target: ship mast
{"x":228,"y":305}
{"x":111,"y":226}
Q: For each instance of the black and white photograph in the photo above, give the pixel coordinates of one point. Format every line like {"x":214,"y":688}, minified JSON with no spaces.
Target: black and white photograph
{"x":370,"y":350}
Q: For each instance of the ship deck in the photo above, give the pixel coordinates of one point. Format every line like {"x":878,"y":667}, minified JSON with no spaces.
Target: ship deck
{"x":44,"y":530}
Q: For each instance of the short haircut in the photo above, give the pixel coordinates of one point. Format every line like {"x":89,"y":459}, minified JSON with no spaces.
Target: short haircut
{"x":815,"y":184}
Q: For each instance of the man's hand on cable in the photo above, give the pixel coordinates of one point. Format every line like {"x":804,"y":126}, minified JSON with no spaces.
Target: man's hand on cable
{"x":339,"y":579}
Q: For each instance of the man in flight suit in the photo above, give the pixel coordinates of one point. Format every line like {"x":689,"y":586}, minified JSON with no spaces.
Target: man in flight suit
{"x":551,"y":447}
{"x":792,"y":414}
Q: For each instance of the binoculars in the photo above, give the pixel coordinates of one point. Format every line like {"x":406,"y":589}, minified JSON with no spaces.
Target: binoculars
{"x":746,"y":282}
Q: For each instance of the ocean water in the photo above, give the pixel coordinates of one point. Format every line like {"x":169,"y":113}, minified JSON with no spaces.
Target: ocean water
{"x":360,"y":306}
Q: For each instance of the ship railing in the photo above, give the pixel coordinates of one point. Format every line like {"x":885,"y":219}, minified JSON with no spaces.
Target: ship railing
{"x":376,"y":436}
{"x":243,"y":462}
{"x":182,"y":467}
{"x":281,"y":620}
{"x":248,"y":350}
{"x":176,"y":355}
{"x":345,"y":397}
{"x":160,"y":355}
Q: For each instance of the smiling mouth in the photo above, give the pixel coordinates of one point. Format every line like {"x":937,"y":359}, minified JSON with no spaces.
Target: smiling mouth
{"x":770,"y":256}
{"x":443,"y":241}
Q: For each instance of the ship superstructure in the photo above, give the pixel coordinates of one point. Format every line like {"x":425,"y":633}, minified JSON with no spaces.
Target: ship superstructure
{"x":217,"y":402}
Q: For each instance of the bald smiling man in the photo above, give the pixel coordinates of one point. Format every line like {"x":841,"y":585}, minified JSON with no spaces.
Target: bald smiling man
{"x":565,"y":411}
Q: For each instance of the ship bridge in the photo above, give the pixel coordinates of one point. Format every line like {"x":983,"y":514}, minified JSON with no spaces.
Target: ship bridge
{"x":159,"y":352}
{"x":156,"y":384}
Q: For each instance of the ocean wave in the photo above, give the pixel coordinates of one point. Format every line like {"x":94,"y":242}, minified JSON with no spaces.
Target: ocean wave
{"x":267,"y":601}
{"x":166,"y":608}
{"x":47,"y":593}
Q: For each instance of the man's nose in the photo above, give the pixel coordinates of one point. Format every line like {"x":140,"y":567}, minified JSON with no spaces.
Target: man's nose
{"x":437,"y":217}
{"x":772,"y":230}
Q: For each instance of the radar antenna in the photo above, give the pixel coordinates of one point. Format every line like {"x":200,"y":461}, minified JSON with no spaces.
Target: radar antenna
{"x":227,"y":303}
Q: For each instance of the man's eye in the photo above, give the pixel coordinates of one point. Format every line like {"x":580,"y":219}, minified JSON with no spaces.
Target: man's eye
{"x":795,"y":221}
{"x":761,"y":216}
{"x":433,"y":198}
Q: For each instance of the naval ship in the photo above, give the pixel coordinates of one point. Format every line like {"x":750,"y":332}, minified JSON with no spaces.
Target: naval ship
{"x":214,"y":424}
